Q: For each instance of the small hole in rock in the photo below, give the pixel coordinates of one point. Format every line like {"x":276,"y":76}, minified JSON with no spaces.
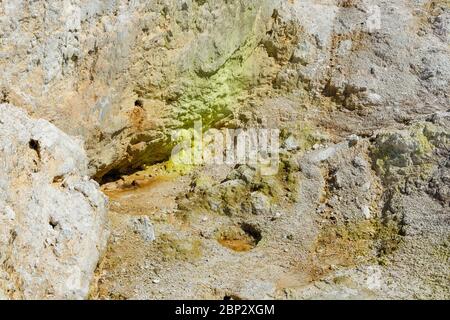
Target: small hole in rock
{"x":231,"y":297}
{"x":53,"y":223}
{"x":252,"y":230}
{"x":58,"y":179}
{"x":34,"y":144}
{"x":139,"y":103}
{"x":240,"y":238}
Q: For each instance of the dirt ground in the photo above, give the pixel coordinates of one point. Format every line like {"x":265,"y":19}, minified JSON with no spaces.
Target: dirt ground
{"x":206,"y":255}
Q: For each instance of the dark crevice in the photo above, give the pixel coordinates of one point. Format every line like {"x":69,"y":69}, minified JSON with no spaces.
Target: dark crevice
{"x":126,"y":170}
{"x":53,"y":223}
{"x":34,"y":144}
{"x":111,"y":176}
{"x":58,"y":179}
{"x":252,"y":231}
{"x":139,"y":103}
{"x":231,"y":297}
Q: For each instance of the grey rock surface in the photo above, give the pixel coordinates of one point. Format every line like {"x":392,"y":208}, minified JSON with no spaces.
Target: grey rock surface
{"x":144,"y":228}
{"x":122,"y":73}
{"x":53,"y":222}
{"x":359,"y":90}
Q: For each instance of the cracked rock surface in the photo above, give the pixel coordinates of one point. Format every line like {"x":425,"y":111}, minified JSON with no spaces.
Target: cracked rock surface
{"x":53,"y":218}
{"x":357,"y":208}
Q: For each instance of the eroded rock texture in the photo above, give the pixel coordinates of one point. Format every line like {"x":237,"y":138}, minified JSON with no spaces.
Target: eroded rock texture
{"x":53,"y":224}
{"x":123,"y":73}
{"x":359,"y":90}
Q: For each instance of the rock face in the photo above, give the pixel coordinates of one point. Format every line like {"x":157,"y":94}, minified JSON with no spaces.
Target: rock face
{"x":123,"y":73}
{"x":53,"y":226}
{"x":130,"y":70}
{"x":358,"y":89}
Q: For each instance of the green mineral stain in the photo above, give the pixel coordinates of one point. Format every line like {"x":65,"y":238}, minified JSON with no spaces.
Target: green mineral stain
{"x":418,"y":135}
{"x":407,"y":151}
{"x":211,"y":82}
{"x":213,"y":98}
{"x":217,"y":73}
{"x":173,"y":248}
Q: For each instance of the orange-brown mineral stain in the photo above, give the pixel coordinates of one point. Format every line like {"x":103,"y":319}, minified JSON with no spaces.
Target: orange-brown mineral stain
{"x":238,"y":245}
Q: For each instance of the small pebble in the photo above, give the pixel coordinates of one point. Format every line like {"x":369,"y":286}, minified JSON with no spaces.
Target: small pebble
{"x":366,"y":212}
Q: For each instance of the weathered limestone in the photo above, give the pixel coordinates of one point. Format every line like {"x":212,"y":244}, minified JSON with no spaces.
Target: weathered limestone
{"x":123,"y":73}
{"x":53,"y":223}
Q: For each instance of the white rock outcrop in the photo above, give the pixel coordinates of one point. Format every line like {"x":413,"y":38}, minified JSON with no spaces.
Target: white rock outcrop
{"x":53,"y":218}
